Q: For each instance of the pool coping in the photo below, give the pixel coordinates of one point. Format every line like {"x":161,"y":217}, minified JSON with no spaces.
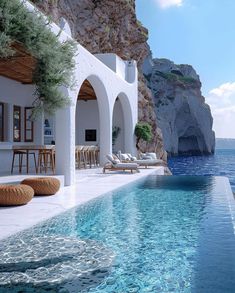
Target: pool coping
{"x":17,"y":219}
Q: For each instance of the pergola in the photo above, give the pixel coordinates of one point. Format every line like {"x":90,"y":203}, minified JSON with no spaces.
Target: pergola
{"x":21,"y":66}
{"x":86,"y":92}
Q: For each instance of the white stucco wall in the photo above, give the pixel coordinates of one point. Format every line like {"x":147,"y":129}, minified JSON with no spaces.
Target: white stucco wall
{"x":14,"y":93}
{"x":124,"y":69}
{"x":87,"y":117}
{"x":108,"y":84}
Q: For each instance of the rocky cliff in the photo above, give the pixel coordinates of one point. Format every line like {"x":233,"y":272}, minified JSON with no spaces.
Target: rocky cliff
{"x":104,"y":26}
{"x":182,"y":114}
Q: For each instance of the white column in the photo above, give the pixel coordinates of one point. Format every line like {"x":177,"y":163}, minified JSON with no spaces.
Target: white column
{"x":65,"y":144}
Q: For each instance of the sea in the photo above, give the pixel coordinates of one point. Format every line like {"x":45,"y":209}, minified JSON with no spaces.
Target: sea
{"x":222,"y":163}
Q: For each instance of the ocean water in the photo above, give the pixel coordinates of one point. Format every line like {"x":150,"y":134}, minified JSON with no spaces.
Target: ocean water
{"x":160,"y":235}
{"x":220,"y":164}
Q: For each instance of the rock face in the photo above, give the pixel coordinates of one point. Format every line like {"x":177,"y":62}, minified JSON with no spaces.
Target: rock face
{"x":111,"y":26}
{"x":182,"y":114}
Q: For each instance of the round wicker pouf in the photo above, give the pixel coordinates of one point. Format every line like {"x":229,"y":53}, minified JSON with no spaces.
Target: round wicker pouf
{"x":43,"y":185}
{"x":13,"y":195}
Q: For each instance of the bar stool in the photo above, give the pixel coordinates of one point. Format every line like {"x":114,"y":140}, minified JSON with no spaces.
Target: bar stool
{"x":86,"y":156}
{"x":20,"y":160}
{"x":92,"y":155}
{"x":46,"y":159}
{"x":97,"y":156}
{"x":20,"y":155}
{"x":79,"y":156}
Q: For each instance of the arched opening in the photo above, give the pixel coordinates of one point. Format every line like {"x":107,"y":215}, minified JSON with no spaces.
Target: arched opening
{"x":118,"y":143}
{"x":122,"y":140}
{"x":92,"y":124}
{"x":87,"y":131}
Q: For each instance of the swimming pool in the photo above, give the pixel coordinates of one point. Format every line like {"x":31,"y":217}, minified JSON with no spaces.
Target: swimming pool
{"x":162,"y":234}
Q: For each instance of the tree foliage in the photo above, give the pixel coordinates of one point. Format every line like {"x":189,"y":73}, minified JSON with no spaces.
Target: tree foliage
{"x":55,"y":61}
{"x":143,"y":131}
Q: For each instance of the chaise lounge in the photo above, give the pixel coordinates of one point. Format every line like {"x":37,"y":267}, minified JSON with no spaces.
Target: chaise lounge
{"x":115,"y":164}
{"x":146,"y":160}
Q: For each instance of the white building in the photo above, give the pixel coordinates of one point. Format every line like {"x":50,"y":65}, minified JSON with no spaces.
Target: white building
{"x":105,"y":95}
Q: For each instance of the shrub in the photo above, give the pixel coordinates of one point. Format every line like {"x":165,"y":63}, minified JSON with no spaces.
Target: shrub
{"x":143,"y":131}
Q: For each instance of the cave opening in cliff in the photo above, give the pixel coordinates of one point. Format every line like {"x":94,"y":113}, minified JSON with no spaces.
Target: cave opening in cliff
{"x":188,"y":145}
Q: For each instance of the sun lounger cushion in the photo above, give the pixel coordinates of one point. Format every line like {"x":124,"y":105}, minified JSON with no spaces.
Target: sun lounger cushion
{"x":125,"y":157}
{"x":148,"y":156}
{"x":113,"y":159}
{"x":127,"y":165}
{"x":149,"y":162}
{"x":145,"y":157}
{"x":152,"y":155}
{"x":132,"y":158}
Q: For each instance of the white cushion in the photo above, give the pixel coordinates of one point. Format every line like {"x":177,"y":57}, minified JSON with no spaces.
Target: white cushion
{"x":125,"y":157}
{"x":145,"y":157}
{"x":131,"y":157}
{"x":141,"y":155}
{"x":112,"y":159}
{"x":127,"y":165}
{"x":152,"y":155}
{"x":149,"y":162}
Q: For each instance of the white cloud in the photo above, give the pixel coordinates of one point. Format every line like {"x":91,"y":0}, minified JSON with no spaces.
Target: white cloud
{"x":222,"y":102}
{"x":225,"y":90}
{"x":169,"y":3}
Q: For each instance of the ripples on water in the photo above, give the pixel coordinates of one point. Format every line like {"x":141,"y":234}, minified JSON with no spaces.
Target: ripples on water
{"x":163,"y":234}
{"x":221,"y":164}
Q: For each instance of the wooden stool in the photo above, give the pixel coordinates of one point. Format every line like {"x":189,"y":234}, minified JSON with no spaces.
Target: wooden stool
{"x":46,"y":160}
{"x":20,"y":155}
{"x":79,"y":156}
{"x":93,"y":155}
{"x":86,"y":156}
{"x":97,"y":154}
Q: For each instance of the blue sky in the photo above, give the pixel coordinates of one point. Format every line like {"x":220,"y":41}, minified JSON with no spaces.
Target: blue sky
{"x":200,"y":33}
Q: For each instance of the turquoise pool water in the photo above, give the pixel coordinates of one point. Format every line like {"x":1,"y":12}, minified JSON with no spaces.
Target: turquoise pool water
{"x":162,"y":234}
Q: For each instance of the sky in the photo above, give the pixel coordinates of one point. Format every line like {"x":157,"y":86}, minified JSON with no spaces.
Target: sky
{"x":200,"y":33}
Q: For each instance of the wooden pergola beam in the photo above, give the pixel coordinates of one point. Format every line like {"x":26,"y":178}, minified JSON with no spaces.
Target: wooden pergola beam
{"x":86,"y":92}
{"x":20,"y":66}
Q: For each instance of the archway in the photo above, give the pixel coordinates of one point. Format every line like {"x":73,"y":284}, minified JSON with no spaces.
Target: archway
{"x":118,"y":139}
{"x":87,"y":129}
{"x":92,"y":118}
{"x":122,"y":119}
